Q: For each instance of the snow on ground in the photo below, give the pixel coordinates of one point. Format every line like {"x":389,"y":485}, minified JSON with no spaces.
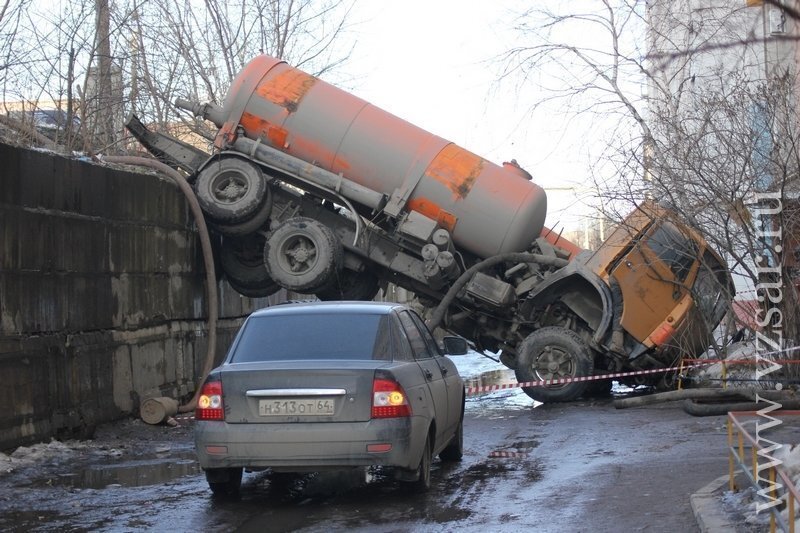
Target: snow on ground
{"x":48,"y":452}
{"x":789,"y":456}
{"x":479,"y":370}
{"x":747,"y":500}
{"x":473,"y":364}
{"x":737,"y":375}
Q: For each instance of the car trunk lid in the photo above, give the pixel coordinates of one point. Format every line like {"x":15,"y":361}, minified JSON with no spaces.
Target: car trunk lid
{"x":306,"y":391}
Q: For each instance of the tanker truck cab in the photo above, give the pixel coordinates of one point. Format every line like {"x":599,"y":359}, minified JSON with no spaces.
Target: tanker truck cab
{"x":654,"y":291}
{"x":669,"y":289}
{"x":672,"y":286}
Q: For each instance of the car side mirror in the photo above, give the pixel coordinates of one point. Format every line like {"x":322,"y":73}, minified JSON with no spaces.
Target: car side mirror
{"x":455,"y":345}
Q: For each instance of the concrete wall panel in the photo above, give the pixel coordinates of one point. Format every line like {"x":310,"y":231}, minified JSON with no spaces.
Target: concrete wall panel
{"x":102,"y":295}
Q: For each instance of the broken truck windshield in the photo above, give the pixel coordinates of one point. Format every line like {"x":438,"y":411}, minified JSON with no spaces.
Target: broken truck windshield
{"x":676,"y":250}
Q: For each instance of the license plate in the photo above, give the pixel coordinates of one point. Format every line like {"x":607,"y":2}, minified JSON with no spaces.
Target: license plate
{"x":296,"y":407}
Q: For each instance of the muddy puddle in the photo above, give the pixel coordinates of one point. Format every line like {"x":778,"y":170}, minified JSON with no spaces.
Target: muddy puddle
{"x":152,"y":470}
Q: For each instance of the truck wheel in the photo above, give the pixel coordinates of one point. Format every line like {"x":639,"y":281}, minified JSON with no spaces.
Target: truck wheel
{"x":255,"y":292}
{"x":303,"y":255}
{"x":553,"y":353}
{"x":230,"y":190}
{"x":243,"y":264}
{"x":254,"y":223}
{"x":351,"y":285}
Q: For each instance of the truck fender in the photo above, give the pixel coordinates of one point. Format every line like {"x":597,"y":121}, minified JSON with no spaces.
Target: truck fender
{"x":580,"y":289}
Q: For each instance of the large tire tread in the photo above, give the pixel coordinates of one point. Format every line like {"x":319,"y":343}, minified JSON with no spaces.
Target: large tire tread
{"x":351,"y":285}
{"x":253,"y":224}
{"x":312,"y":273}
{"x":565,"y":340}
{"x":230,"y":190}
{"x":242,"y":261}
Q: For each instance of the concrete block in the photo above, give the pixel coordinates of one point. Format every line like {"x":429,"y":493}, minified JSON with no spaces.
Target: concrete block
{"x":88,"y":248}
{"x":147,"y":366}
{"x":122,"y":379}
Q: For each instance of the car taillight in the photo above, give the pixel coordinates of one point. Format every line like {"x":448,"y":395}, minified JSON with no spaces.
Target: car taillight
{"x":389,"y":399}
{"x":209,"y":405}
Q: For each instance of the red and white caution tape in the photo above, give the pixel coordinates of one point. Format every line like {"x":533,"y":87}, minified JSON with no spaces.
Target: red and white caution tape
{"x":561,"y":381}
{"x":502,"y":454}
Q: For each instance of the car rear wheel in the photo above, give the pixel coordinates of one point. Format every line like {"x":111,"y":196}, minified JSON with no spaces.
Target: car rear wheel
{"x":224,"y":481}
{"x":554,"y":353}
{"x":455,"y":449}
{"x":423,"y":482}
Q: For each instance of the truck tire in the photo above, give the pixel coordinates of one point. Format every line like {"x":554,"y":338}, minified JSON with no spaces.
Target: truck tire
{"x":553,"y":353}
{"x":351,"y":285}
{"x":255,"y":292}
{"x":303,"y":255}
{"x":243,"y":264}
{"x":254,"y":223}
{"x":230,"y":190}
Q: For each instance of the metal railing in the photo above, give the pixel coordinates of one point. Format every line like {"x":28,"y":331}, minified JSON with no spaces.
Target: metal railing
{"x":744,"y":451}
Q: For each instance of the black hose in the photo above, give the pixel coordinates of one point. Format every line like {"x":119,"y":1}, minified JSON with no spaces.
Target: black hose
{"x":716,"y":409}
{"x":463,"y":279}
{"x":208,"y":259}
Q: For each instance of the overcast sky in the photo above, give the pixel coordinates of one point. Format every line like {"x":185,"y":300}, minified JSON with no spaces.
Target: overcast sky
{"x":434,"y":63}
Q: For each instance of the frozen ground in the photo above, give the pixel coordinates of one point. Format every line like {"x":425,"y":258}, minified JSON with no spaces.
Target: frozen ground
{"x":583,"y":466}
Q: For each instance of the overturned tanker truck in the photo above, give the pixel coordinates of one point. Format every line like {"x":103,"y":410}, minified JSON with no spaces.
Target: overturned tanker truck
{"x":315,"y":190}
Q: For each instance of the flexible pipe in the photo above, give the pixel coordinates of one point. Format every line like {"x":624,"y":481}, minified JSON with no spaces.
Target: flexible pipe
{"x":520,"y":257}
{"x":208,"y":260}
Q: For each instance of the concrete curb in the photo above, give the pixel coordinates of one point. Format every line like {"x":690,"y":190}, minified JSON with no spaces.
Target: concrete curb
{"x":707,"y":508}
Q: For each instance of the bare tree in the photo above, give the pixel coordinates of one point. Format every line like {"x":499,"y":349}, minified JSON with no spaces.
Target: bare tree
{"x":98,"y":60}
{"x":11,"y":12}
{"x":714,"y":130}
{"x":200,"y":51}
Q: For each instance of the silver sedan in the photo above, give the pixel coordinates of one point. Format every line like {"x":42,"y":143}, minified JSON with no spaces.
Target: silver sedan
{"x":331,"y":385}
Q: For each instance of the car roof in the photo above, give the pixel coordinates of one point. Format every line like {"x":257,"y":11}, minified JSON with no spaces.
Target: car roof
{"x":315,"y":307}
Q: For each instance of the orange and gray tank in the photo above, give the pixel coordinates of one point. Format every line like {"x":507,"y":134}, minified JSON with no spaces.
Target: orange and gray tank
{"x":487,"y":208}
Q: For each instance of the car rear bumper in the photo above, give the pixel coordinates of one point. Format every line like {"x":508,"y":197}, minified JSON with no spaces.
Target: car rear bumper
{"x":310,"y":445}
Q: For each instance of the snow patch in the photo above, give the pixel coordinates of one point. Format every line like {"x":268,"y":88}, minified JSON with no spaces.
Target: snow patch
{"x":55,"y":450}
{"x":737,"y":375}
{"x":747,"y":501}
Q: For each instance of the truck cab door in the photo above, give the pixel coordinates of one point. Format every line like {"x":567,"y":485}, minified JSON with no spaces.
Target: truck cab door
{"x":653,"y":277}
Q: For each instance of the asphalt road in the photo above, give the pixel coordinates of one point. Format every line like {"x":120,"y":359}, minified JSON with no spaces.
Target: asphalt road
{"x":578,"y":467}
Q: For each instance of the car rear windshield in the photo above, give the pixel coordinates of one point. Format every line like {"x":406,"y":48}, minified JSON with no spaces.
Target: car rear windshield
{"x":313,"y":336}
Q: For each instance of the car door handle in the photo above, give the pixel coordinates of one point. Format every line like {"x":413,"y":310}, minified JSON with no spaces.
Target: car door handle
{"x":428,"y":374}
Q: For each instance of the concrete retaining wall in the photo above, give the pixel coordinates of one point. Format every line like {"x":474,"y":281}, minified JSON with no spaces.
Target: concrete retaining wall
{"x":102,"y":299}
